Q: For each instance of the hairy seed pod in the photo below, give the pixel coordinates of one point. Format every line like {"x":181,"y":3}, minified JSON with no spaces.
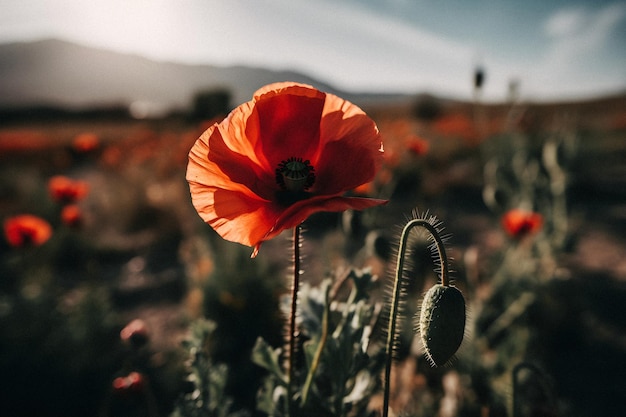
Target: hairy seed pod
{"x":442,"y":323}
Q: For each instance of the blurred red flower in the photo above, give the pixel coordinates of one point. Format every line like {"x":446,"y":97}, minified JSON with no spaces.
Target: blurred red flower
{"x":288,"y":153}
{"x":519,"y":223}
{"x":72,"y":215}
{"x":133,"y":382}
{"x":67,"y":190}
{"x":86,"y":142}
{"x":417,"y":146}
{"x":392,"y":157}
{"x":26,"y":230}
{"x":135,"y":333}
{"x":456,"y":125}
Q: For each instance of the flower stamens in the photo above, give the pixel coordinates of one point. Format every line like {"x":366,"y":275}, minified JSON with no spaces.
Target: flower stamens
{"x":294,"y":174}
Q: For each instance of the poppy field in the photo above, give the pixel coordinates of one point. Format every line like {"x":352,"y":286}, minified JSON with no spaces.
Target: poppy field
{"x":450,"y":259}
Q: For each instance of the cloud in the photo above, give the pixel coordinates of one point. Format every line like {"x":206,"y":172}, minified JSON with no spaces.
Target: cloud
{"x":351,"y":46}
{"x":573,"y":62}
{"x":582,"y":29}
{"x":565,"y":22}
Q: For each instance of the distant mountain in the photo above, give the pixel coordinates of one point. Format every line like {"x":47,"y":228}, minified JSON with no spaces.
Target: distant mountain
{"x":64,"y":74}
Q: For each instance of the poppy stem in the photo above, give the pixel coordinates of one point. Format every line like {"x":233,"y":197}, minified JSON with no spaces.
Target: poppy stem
{"x":292,"y":318}
{"x":397,"y":290}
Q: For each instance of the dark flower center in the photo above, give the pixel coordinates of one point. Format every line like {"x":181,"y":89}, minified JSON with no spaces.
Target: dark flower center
{"x":294,"y":174}
{"x":28,"y":236}
{"x":295,"y":177}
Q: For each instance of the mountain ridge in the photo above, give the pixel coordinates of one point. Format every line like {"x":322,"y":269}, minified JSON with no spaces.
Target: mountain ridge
{"x":60,"y":73}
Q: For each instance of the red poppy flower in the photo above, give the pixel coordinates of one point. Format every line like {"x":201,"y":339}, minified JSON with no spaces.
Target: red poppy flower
{"x":71,"y":215}
{"x":288,"y":153}
{"x":67,"y":190}
{"x":26,"y":230}
{"x":85,"y":142}
{"x":418,"y":146}
{"x":133,"y":382}
{"x":519,"y":223}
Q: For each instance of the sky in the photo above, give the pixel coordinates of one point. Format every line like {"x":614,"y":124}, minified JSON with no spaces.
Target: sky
{"x":554,"y":49}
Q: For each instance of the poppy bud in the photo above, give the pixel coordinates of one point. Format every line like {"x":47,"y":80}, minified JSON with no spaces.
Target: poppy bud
{"x":135,"y":333}
{"x":442,"y":323}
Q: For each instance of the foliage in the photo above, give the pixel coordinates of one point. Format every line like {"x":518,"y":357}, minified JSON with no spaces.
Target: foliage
{"x":205,"y":396}
{"x":339,"y":365}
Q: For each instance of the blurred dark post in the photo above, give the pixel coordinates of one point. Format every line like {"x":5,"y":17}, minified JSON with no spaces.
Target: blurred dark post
{"x":479,"y":78}
{"x":480,"y":117}
{"x":479,"y":81}
{"x":210,"y":104}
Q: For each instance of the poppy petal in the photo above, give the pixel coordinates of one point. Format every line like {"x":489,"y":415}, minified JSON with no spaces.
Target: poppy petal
{"x":209,"y":159}
{"x":285,"y":133}
{"x":241,"y":136}
{"x":300,"y":211}
{"x":235,"y":216}
{"x":287,"y":87}
{"x":351,"y":148}
{"x":240,"y":168}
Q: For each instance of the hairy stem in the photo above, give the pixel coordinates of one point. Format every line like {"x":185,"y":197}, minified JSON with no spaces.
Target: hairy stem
{"x":292,"y":316}
{"x":395,"y":300}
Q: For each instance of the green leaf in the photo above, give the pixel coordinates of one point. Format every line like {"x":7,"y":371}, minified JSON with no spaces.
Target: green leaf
{"x":269,"y":399}
{"x":269,"y":359}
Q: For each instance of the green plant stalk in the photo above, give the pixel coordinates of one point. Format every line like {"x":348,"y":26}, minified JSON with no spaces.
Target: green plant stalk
{"x":292,"y":318}
{"x":395,"y":300}
{"x":320,"y":348}
{"x":557,"y":187}
{"x":344,"y":315}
